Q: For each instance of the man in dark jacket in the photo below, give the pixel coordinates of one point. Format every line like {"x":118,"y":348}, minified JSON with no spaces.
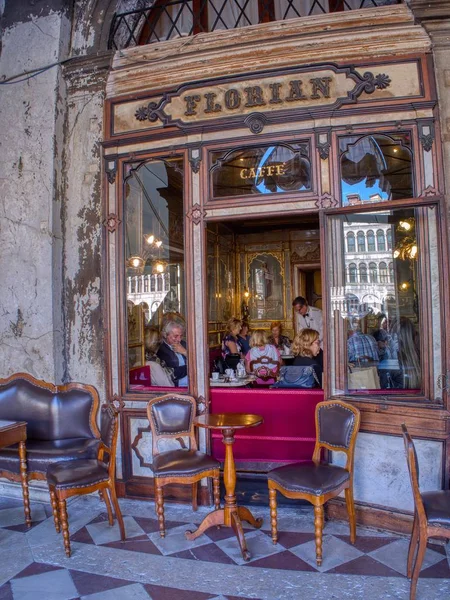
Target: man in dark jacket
{"x":172,"y":351}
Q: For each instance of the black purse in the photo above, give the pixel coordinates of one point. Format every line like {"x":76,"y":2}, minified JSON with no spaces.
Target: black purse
{"x":297,"y":376}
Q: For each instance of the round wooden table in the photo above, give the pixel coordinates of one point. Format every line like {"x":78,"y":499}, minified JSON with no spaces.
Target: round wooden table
{"x":232,"y":514}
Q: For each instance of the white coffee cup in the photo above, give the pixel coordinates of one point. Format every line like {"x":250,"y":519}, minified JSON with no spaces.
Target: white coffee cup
{"x":215,"y":375}
{"x":229,"y":373}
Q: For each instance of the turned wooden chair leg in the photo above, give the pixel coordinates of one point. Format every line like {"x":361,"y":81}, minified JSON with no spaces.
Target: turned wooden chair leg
{"x":318,"y":529}
{"x":418,"y":564}
{"x":273,"y":514}
{"x":194,"y":496}
{"x":117,"y":510}
{"x":104,"y":496}
{"x":351,"y":513}
{"x":54,"y":502}
{"x":64,"y":525}
{"x":216,"y":491}
{"x":160,"y":509}
{"x":412,"y":546}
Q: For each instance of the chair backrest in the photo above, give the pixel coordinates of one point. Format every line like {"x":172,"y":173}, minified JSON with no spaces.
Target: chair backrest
{"x":109,"y":429}
{"x":265,"y":368}
{"x":52,"y":412}
{"x":413,"y":468}
{"x":172,"y":416}
{"x":337,"y":425}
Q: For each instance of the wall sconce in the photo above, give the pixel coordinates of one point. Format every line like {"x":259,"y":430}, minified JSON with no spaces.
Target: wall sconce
{"x":404,"y":286}
{"x":246,"y":294}
{"x":406,"y":225}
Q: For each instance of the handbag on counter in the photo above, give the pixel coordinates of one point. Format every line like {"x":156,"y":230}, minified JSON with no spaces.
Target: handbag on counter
{"x":363,"y":378}
{"x":297,"y":376}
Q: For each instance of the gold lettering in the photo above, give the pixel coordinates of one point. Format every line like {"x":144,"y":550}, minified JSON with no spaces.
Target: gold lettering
{"x":275,"y":88}
{"x":252,"y":173}
{"x":244,"y":174}
{"x":270,"y":169}
{"x":254,"y":96}
{"x":281,"y":170}
{"x":322,"y":85}
{"x":191,"y":103}
{"x":232,"y":99}
{"x":296,"y":92}
{"x":211,"y":107}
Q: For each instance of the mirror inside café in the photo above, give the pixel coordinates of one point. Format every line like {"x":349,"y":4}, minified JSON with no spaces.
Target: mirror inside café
{"x":154,"y":268}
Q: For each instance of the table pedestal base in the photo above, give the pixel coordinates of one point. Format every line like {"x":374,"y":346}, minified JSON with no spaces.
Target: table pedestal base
{"x":230,"y":518}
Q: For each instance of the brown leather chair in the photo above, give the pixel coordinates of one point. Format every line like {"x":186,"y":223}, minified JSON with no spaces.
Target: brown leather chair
{"x":431,"y":516}
{"x":265,"y":369}
{"x":84,"y":476}
{"x":171,"y":417}
{"x":337,"y":425}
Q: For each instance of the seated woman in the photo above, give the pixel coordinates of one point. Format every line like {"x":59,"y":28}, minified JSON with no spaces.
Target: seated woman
{"x":231,"y":346}
{"x":160,"y":375}
{"x":306,"y":347}
{"x":278,"y":340}
{"x":263,"y":359}
{"x":244,"y":338}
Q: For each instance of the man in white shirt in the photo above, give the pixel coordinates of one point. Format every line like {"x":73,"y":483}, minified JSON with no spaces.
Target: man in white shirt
{"x":307,"y":317}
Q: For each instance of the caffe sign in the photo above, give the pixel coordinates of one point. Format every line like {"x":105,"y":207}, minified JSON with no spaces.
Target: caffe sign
{"x":307,"y":90}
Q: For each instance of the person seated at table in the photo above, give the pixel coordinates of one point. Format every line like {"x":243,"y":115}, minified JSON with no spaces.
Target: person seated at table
{"x":263,"y":359}
{"x":306,"y":348}
{"x":282,"y":342}
{"x":160,"y":375}
{"x":231,"y":345}
{"x":244,"y":337}
{"x":173,"y":351}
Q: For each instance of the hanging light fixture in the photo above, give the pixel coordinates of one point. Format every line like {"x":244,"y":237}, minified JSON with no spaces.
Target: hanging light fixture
{"x":135,"y":262}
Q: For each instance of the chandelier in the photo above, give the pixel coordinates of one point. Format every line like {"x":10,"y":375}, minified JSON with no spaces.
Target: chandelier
{"x":406,"y":247}
{"x":150,"y":250}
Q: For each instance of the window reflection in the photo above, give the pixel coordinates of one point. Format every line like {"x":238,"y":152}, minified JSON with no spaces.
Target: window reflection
{"x":154,"y":269}
{"x":376,"y":311}
{"x":261,"y":170}
{"x":375,"y":168}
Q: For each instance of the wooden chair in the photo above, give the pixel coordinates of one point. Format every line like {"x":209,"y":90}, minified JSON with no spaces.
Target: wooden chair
{"x":431,"y":516}
{"x":337,"y":425}
{"x":265,"y":369}
{"x":84,"y":476}
{"x":171,"y":417}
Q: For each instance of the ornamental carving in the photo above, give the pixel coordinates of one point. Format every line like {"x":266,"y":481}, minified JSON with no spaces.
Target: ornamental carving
{"x":111,"y":222}
{"x":256,"y":122}
{"x":326,"y":201}
{"x":196,"y":214}
{"x":429,"y":191}
{"x":195,"y":158}
{"x":259,"y":100}
{"x":306,"y":252}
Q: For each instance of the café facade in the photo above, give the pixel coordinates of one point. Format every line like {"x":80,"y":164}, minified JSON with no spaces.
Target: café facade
{"x":244,"y":167}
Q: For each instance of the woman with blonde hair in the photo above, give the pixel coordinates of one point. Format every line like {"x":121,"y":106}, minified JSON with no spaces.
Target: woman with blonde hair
{"x":306,"y":347}
{"x":263,"y":359}
{"x":230,"y":342}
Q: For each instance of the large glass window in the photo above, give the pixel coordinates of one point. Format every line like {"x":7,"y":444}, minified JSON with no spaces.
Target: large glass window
{"x":154,"y":275}
{"x":262,"y":170}
{"x":378,"y":342}
{"x":361,"y":241}
{"x":351,"y":247}
{"x":376,"y":168}
{"x":370,"y":241}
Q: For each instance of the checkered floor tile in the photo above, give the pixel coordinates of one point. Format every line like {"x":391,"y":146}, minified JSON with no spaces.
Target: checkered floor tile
{"x":102,"y":567}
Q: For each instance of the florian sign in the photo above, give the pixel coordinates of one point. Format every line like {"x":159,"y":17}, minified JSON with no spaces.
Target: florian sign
{"x":319,"y":89}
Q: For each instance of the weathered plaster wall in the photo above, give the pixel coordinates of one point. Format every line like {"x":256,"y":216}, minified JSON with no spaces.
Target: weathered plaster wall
{"x":82,"y":222}
{"x":29,"y":224}
{"x":50,"y":191}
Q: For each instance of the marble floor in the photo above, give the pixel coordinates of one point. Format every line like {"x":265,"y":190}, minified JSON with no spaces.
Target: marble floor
{"x":33,"y":564}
